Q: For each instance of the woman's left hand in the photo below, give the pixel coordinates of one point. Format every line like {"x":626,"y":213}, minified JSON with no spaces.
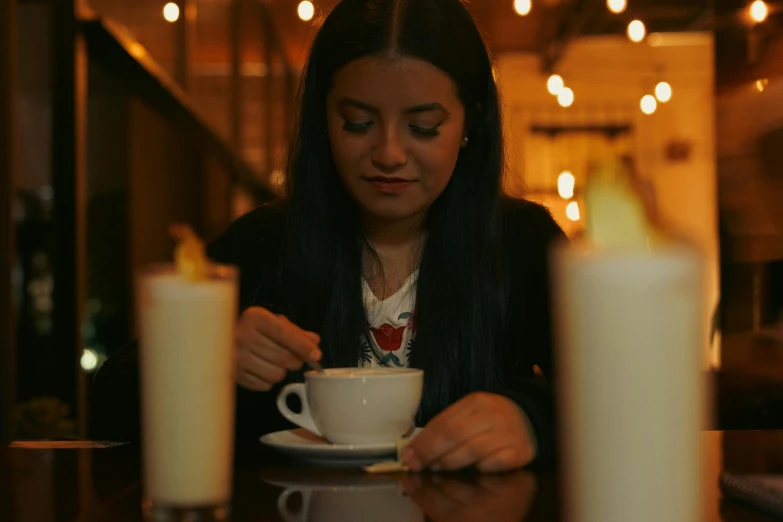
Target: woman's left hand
{"x":484,"y":430}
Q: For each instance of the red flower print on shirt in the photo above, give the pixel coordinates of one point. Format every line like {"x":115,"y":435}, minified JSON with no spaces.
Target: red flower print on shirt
{"x":389,"y":338}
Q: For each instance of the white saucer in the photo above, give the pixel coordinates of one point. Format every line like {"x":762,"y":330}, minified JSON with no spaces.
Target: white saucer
{"x":304,"y":445}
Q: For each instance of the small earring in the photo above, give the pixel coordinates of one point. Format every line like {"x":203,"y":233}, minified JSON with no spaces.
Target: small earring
{"x":465,"y":140}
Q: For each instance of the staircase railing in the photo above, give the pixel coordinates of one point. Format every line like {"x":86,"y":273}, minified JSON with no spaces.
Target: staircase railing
{"x":78,"y":41}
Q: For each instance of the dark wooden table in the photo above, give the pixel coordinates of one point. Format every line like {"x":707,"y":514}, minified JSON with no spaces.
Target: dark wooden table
{"x":97,"y":485}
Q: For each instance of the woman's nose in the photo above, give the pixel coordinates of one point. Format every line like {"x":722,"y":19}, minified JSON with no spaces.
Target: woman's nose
{"x":389,"y":154}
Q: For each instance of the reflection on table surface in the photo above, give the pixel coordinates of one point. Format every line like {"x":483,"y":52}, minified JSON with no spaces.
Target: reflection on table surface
{"x":96,"y":485}
{"x":412,"y":498}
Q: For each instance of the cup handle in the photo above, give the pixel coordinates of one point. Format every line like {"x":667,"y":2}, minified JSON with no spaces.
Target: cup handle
{"x":304,"y":419}
{"x":287,"y":514}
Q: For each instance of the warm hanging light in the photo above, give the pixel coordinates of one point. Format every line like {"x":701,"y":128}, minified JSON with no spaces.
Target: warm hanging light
{"x":171,"y":12}
{"x":636,"y":31}
{"x":663,"y":91}
{"x":555,"y":84}
{"x":89,"y":360}
{"x":565,"y":184}
{"x":758,"y":11}
{"x":761,"y":84}
{"x":565,"y":97}
{"x":305,"y":10}
{"x":648,"y":104}
{"x":523,"y":7}
{"x":572,"y":211}
{"x":616,"y":6}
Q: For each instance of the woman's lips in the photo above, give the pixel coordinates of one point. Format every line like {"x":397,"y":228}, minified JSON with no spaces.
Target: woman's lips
{"x":389,"y":185}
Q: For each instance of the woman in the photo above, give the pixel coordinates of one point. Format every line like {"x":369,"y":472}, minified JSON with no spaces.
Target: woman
{"x":393,"y":246}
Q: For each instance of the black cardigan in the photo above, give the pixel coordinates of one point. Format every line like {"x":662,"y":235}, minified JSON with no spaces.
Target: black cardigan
{"x":254,"y":244}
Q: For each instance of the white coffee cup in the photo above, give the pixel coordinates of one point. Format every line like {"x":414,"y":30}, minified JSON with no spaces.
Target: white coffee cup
{"x":356,"y":405}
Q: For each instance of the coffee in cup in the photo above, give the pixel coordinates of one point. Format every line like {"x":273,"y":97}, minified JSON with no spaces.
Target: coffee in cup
{"x":356,"y":405}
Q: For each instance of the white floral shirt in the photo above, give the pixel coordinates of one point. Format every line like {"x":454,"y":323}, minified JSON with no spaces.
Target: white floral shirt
{"x":391,"y":324}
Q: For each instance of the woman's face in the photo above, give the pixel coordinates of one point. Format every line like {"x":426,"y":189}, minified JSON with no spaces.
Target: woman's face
{"x":395,"y":127}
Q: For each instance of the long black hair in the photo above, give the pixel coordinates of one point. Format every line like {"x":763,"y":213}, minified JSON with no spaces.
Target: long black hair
{"x":461,"y":294}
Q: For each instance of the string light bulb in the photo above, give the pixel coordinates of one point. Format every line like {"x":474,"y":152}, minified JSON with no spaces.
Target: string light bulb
{"x":617,"y":6}
{"x":523,"y":7}
{"x":663,"y":91}
{"x":758,"y":11}
{"x":171,"y":12}
{"x":89,"y":360}
{"x":565,"y":97}
{"x":555,"y":84}
{"x":305,"y":10}
{"x":572,"y":211}
{"x":648,"y":104}
{"x":636,"y":31}
{"x":565,"y":184}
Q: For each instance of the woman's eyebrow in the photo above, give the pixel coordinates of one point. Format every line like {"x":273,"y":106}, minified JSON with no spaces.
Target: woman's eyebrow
{"x":427,"y":107}
{"x":352,"y":102}
{"x":416,"y":109}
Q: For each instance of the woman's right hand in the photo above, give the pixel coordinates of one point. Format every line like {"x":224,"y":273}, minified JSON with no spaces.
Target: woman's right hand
{"x":268,"y":345}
